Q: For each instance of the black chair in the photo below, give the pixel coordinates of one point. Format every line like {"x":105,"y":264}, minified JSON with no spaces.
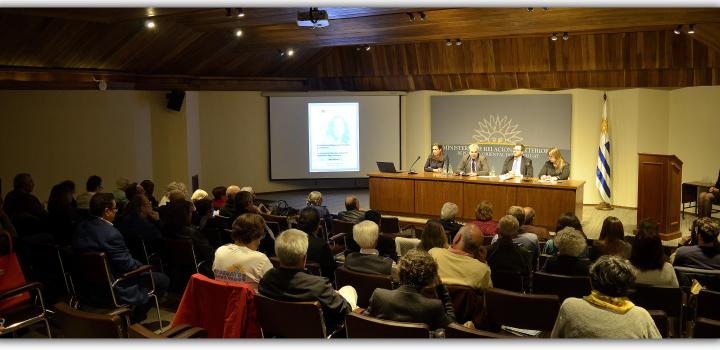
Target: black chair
{"x":389,"y":224}
{"x":708,"y":304}
{"x":527,"y":311}
{"x":43,"y":262}
{"x":661,"y":322}
{"x":362,"y":326}
{"x":306,"y":320}
{"x":311,"y":267}
{"x":455,"y":330}
{"x":364,"y":283}
{"x":26,"y":313}
{"x":667,"y":299}
{"x":282,"y":221}
{"x":509,"y":280}
{"x":561,"y":285}
{"x":706,"y":328}
{"x":179,"y":261}
{"x":710,"y":279}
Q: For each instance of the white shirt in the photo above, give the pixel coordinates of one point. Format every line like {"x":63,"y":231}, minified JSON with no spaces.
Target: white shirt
{"x":517,"y":164}
{"x":234,"y":263}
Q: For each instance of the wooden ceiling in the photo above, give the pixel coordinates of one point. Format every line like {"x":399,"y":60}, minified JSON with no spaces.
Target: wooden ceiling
{"x":196,"y":49}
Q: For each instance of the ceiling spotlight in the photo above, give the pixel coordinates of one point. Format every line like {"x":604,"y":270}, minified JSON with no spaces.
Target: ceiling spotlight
{"x":553,"y":37}
{"x":448,"y":42}
{"x":150,"y":24}
{"x":150,"y":12}
{"x":367,"y":47}
{"x":691,"y":29}
{"x":530,"y":9}
{"x":411,"y":16}
{"x":240,"y":13}
{"x":565,"y":36}
{"x":281,"y":53}
{"x":238,"y":33}
{"x":422,"y":16}
{"x":458,"y":42}
{"x":677,"y":29}
{"x":290,"y":52}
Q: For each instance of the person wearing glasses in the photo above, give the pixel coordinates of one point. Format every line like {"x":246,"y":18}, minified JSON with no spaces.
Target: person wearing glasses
{"x":437,"y":159}
{"x":474,"y":163}
{"x":97,"y":234}
{"x":517,"y":164}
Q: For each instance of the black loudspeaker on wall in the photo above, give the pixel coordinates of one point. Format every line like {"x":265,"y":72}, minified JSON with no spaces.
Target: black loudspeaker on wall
{"x":175,"y":99}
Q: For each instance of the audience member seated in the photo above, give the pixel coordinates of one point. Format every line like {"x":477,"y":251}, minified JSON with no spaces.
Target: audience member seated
{"x":315,"y":200}
{"x":527,"y":240}
{"x":649,"y":259}
{"x":541,"y":232}
{"x":92,"y":186}
{"x":570,"y":245}
{"x":463,"y":263}
{"x":140,"y":220}
{"x":433,"y":236}
{"x":318,"y":249}
{"x":24,"y":209}
{"x":368,"y":260}
{"x":98,"y":235}
{"x":704,"y":255}
{"x":229,"y":209}
{"x":565,"y":220}
{"x":259,"y":207}
{"x":417,"y":270}
{"x":173,"y":186}
{"x":62,"y":216}
{"x":289,"y":282}
{"x":134,"y":189}
{"x":611,"y":241}
{"x":448,"y":212}
{"x":198,"y":195}
{"x":149,"y":188}
{"x":606,"y":312}
{"x":386,"y":244}
{"x":178,"y":226}
{"x":484,"y":219}
{"x":174,"y":195}
{"x":352,"y":211}
{"x":506,"y":255}
{"x":240,"y":261}
{"x":203,"y":212}
{"x":121,"y":185}
{"x":219,"y":197}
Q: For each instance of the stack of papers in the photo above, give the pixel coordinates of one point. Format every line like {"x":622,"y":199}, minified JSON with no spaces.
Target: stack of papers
{"x":521,"y":332}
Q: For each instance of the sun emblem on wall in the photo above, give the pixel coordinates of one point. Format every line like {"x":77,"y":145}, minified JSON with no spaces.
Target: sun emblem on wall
{"x":496,"y":129}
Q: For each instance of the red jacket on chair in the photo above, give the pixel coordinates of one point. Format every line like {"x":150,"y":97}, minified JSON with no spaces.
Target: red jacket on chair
{"x":225,"y":309}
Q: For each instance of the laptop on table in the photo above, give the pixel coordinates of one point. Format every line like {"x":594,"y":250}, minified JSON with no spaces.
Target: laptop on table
{"x":387,"y":167}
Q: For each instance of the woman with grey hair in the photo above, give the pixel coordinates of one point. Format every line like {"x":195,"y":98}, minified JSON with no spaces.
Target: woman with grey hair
{"x":606,"y":312}
{"x":448,"y":212}
{"x":417,"y":270}
{"x":570,"y":244}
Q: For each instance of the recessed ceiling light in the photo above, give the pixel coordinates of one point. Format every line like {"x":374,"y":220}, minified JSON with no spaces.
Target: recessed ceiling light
{"x":566,"y":36}
{"x":677,"y":29}
{"x":240,"y":13}
{"x":290,"y":52}
{"x":553,"y":37}
{"x":691,"y":29}
{"x":458,"y":42}
{"x":238,"y":33}
{"x":150,"y":24}
{"x":448,"y":42}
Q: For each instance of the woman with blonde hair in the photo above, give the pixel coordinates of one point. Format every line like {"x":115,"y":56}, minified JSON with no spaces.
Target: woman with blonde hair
{"x":437,"y":159}
{"x":555,"y":167}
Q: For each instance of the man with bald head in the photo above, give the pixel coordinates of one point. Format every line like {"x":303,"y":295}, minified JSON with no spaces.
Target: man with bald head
{"x":541,"y":232}
{"x":228,"y":209}
{"x":352,"y":211}
{"x":463,"y":263}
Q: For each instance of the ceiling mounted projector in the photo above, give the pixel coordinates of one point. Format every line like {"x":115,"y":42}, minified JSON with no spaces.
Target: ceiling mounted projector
{"x":314,"y":18}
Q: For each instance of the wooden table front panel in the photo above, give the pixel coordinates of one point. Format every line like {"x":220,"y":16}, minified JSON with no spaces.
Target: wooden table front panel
{"x":501,"y":197}
{"x":392,"y":195}
{"x":431,"y":195}
{"x":549,"y":203}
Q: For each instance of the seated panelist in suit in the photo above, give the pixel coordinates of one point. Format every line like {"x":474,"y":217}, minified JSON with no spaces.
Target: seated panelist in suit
{"x":437,"y":159}
{"x":707,"y":199}
{"x":417,"y":270}
{"x":556,"y":166}
{"x":474,"y":163}
{"x":518,"y":163}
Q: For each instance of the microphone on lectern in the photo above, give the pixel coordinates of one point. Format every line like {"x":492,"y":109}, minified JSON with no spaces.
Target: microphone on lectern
{"x":411,"y":172}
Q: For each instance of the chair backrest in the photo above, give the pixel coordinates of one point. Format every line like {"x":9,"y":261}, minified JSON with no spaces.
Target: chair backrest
{"x":364,"y":283}
{"x":706,"y":328}
{"x":274,"y":227}
{"x":340,"y":226}
{"x":361,"y":326}
{"x":708,"y":304}
{"x":508,"y":280}
{"x":281,"y":220}
{"x":455,"y":330}
{"x":306,"y":321}
{"x":708,"y":278}
{"x":561,"y":285}
{"x":402,"y":245}
{"x":661,"y":322}
{"x":183,"y":331}
{"x":91,"y":278}
{"x":43,"y":262}
{"x":668,"y":299}
{"x":73,"y":323}
{"x":311,"y":267}
{"x":528,"y":311}
{"x":487,"y":240}
{"x":467,"y":303}
{"x":389,"y":224}
{"x":178,"y":252}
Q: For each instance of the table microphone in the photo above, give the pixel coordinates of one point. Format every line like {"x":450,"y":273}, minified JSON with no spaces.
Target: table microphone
{"x":411,"y":172}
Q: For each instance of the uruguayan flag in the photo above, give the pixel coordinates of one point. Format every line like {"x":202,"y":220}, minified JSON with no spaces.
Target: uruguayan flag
{"x":602,"y":177}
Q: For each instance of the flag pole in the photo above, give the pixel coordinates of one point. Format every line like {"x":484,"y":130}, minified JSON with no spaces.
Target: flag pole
{"x":603,"y":205}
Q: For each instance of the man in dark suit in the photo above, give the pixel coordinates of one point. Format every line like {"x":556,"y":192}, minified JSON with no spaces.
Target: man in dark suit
{"x":368,"y":260}
{"x":474,"y":163}
{"x":417,"y":270}
{"x":505,"y":255}
{"x":289,"y":282}
{"x":352,"y":211}
{"x":97,"y":234}
{"x":518,"y":163}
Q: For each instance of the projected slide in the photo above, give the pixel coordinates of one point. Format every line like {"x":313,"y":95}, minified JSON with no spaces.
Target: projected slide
{"x":333,"y":137}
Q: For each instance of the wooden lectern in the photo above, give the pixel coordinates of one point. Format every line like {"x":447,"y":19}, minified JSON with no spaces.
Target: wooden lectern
{"x":659,"y":190}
